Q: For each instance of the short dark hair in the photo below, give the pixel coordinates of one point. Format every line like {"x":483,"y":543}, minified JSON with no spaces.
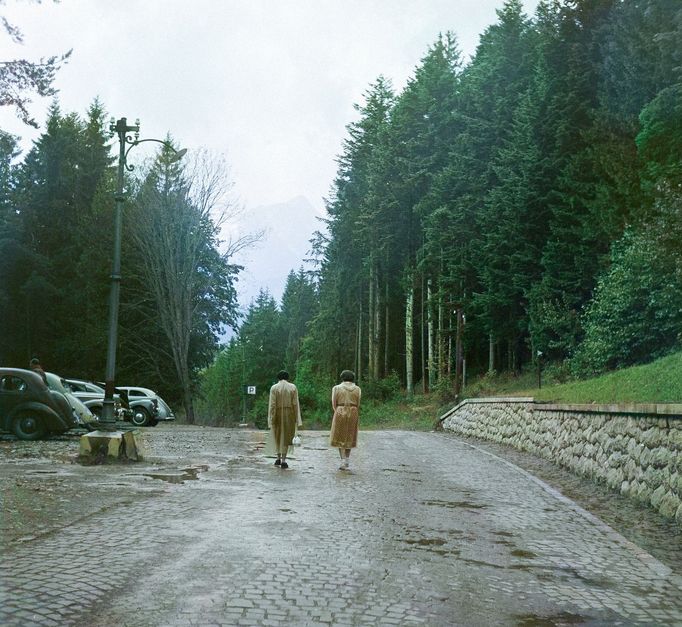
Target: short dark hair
{"x":282,"y":374}
{"x":35,"y":362}
{"x":347,"y":375}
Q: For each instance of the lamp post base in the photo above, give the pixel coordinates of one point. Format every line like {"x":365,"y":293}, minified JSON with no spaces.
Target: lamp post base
{"x":101,"y":446}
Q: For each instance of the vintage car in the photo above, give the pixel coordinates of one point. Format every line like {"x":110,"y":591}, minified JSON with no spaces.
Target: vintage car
{"x":30,"y":409}
{"x":134,"y":392}
{"x":87,"y":418}
{"x":141,"y":412}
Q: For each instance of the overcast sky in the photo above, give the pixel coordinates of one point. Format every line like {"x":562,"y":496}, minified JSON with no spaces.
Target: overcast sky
{"x":269,"y":83}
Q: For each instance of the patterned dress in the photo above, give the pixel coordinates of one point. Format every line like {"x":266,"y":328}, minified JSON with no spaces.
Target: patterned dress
{"x":346,"y":404}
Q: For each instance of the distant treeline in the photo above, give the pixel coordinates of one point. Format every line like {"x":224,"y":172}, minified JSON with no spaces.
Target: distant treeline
{"x":536,"y":189}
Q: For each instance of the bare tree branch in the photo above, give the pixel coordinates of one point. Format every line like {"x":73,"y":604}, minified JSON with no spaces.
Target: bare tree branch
{"x":177,"y":216}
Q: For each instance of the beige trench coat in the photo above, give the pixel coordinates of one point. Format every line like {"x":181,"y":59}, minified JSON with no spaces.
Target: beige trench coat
{"x":284,"y":414}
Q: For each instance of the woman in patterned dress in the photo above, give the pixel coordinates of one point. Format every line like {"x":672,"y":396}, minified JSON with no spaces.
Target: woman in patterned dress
{"x":346,"y":405}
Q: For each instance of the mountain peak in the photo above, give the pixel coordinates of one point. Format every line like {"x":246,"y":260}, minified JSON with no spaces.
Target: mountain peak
{"x":288,"y":227}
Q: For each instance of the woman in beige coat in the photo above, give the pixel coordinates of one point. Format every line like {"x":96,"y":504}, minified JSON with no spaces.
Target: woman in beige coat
{"x":284,"y":415}
{"x":346,"y":405}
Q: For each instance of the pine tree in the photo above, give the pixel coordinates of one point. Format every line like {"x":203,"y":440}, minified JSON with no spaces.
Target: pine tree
{"x":343,"y":274}
{"x":299,"y":306}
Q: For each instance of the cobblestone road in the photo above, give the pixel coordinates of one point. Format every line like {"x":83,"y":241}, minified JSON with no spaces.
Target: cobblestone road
{"x":426,"y":529}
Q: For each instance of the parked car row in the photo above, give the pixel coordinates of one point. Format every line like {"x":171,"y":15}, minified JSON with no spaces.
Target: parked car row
{"x":141,"y":414}
{"x":32,"y":408}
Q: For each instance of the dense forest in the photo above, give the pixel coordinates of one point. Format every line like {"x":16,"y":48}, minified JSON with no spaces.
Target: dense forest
{"x":523,"y":205}
{"x":56,"y":243}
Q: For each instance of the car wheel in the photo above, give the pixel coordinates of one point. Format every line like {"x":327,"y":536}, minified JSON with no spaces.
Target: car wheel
{"x":28,"y":426}
{"x":140,"y":417}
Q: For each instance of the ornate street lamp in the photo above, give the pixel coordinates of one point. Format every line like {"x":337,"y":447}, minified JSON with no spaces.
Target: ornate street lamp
{"x":126,"y":143}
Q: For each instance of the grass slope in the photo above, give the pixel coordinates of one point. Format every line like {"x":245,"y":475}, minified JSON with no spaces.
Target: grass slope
{"x":657,"y":382}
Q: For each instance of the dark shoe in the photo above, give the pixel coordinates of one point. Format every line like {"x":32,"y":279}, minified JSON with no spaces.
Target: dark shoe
{"x":278,"y":462}
{"x":284,"y":465}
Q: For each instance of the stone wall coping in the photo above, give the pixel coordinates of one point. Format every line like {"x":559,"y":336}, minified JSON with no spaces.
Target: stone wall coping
{"x":499,"y":399}
{"x":496,"y":399}
{"x":648,"y":409}
{"x":651,"y":409}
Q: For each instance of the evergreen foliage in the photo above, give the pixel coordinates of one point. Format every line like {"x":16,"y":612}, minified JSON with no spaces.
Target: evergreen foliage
{"x":534,"y":188}
{"x":636,"y":313}
{"x":56,"y":222}
{"x":502,"y":187}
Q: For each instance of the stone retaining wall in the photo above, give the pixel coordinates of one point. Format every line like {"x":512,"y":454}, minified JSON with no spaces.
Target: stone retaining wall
{"x":635,"y":449}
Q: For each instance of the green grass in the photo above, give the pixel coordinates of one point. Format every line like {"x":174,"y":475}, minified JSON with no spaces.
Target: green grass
{"x":416,"y":415}
{"x":504,"y":384}
{"x":657,"y":382}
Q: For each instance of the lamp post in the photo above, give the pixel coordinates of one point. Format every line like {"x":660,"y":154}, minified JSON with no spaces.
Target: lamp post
{"x":125,"y":144}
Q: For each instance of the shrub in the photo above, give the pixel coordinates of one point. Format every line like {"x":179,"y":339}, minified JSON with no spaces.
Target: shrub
{"x":383,"y":389}
{"x":636,"y":313}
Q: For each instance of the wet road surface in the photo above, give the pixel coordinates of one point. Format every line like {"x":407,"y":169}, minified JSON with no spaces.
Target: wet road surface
{"x":425,"y":529}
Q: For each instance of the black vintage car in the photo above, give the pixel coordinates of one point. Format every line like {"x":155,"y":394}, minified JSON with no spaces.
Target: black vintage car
{"x":29,"y":409}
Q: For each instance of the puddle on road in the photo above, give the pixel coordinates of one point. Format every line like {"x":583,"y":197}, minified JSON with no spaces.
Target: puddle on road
{"x":432,"y":545}
{"x":556,"y":620}
{"x":454,"y":553}
{"x":185,"y":474}
{"x":564,"y":573}
{"x":404,"y":472}
{"x":482,"y":563}
{"x":505,"y":534}
{"x":524,"y":554}
{"x":455,"y":504}
{"x":426,"y":542}
{"x":473,"y":562}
